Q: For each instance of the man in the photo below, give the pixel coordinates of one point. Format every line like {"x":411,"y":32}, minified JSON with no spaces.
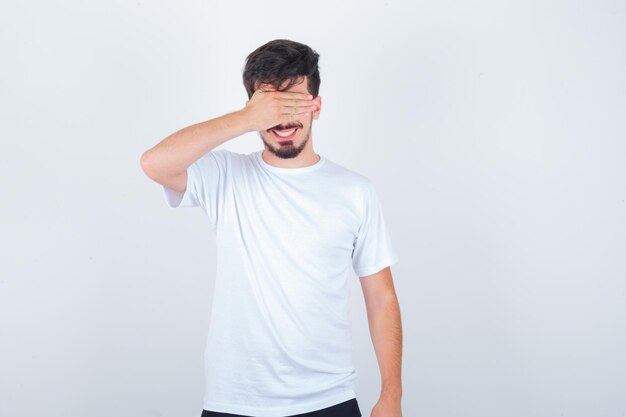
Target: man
{"x":291,"y":226}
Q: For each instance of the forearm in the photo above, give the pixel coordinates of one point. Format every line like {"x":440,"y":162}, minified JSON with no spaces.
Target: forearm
{"x":179,"y":150}
{"x":386,"y":332}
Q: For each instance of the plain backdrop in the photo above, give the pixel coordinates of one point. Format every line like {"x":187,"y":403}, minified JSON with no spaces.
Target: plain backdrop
{"x":493,"y":131}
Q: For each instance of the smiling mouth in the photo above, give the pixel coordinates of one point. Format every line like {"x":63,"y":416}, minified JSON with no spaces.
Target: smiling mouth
{"x":285,"y":134}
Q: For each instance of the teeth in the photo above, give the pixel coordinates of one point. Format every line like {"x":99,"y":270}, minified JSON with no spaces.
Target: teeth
{"x":285,"y":133}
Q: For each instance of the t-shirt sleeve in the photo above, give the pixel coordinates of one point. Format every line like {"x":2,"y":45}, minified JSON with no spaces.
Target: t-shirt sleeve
{"x":206,"y":179}
{"x":373,"y":249}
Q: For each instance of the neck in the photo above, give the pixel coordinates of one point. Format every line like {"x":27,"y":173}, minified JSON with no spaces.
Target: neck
{"x":305,"y":158}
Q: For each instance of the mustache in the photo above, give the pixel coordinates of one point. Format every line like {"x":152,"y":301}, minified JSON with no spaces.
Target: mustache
{"x":285,"y":127}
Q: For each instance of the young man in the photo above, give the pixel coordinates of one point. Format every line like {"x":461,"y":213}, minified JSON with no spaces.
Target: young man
{"x":291,"y":226}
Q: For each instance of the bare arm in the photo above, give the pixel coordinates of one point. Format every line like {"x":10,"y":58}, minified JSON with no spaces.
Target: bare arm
{"x":167,"y":162}
{"x":383,"y":314}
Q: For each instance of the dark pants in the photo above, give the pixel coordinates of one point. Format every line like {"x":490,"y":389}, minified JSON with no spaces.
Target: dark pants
{"x":348,"y":408}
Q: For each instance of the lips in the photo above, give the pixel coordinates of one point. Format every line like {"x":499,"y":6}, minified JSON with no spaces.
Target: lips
{"x":291,"y":133}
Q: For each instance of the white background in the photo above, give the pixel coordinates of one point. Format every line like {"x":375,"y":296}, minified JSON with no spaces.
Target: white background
{"x":493,"y":131}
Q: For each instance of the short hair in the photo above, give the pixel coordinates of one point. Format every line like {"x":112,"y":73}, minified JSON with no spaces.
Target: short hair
{"x":281,"y":60}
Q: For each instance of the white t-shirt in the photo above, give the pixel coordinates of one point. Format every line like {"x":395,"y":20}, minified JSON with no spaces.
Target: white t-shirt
{"x":288,"y":239}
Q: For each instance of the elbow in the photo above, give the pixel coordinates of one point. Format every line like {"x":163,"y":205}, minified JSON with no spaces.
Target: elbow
{"x":146,"y":164}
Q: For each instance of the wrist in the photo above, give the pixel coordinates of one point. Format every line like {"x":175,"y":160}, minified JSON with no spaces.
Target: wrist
{"x":243,"y":119}
{"x":394,"y":393}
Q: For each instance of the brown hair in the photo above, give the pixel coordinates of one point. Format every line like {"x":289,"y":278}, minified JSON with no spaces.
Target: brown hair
{"x":281,"y":60}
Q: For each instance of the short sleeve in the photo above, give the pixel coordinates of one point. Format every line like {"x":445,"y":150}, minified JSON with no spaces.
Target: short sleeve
{"x":206,"y":179}
{"x":373,"y":249}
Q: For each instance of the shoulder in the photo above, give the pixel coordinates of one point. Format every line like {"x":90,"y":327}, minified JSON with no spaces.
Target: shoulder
{"x":346,"y":175}
{"x":349,"y":180}
{"x":225,"y":157}
{"x":222,"y":154}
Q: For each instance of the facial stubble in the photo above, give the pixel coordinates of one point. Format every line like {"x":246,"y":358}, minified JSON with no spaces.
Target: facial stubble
{"x":286,"y":149}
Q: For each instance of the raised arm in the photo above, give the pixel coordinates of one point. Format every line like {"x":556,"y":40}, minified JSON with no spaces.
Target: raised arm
{"x":167,"y":162}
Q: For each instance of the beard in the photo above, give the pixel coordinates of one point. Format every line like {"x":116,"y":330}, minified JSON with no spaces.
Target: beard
{"x":287,"y":149}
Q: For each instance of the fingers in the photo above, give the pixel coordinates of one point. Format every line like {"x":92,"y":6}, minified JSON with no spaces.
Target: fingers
{"x":268,"y":88}
{"x":297,"y":109}
{"x":288,"y":118}
{"x":291,"y":104}
{"x":297,"y":103}
{"x":293,"y":95}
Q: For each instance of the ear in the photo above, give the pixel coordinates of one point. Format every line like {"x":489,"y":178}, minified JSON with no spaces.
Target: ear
{"x":318,"y":102}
